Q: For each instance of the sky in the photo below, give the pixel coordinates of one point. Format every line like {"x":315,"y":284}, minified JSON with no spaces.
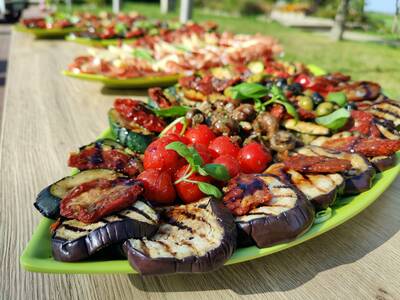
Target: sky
{"x":386,"y":6}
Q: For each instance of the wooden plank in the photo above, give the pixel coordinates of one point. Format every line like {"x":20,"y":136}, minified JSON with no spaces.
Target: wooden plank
{"x":48,"y":115}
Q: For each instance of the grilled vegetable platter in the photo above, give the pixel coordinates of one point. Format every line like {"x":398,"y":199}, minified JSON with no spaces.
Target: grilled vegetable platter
{"x":228,"y":165}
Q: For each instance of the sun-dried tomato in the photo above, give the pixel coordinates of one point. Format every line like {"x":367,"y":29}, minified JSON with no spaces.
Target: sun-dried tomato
{"x":316,"y":164}
{"x":244,"y":193}
{"x":93,"y":200}
{"x":363,"y":122}
{"x":370,"y":147}
{"x":96,"y":158}
{"x":156,"y":94}
{"x":136,"y":111}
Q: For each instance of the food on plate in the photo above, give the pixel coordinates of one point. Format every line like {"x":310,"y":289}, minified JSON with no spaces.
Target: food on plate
{"x":196,"y":237}
{"x":271,"y":211}
{"x":73,"y":240}
{"x":48,"y":200}
{"x":253,"y":152}
{"x":183,"y":52}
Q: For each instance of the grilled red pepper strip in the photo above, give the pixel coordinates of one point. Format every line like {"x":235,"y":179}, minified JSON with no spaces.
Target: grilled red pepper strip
{"x":93,"y":200}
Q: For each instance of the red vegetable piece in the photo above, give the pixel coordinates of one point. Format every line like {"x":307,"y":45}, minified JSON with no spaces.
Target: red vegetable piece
{"x":230,"y":163}
{"x":159,"y":158}
{"x":254,"y":158}
{"x":201,"y":134}
{"x":158,"y":187}
{"x":93,"y":200}
{"x":223,"y":145}
{"x":187,"y":191}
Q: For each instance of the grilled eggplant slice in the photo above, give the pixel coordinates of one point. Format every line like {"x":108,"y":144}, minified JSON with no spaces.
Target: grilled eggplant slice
{"x":48,"y":200}
{"x":137,"y":139}
{"x":305,"y":127}
{"x":74,"y":240}
{"x":106,"y":154}
{"x":285,"y":217}
{"x":387,"y":110}
{"x":196,"y":237}
{"x":320,"y":189}
{"x":358,"y":179}
{"x":382,"y":163}
{"x":387,"y":129}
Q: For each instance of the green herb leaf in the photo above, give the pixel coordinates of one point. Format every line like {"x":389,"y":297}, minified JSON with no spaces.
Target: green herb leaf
{"x":209,"y":189}
{"x":248,"y":90}
{"x":335,"y":120}
{"x":338,"y":98}
{"x":173,"y":111}
{"x":217,"y":171}
{"x":189,"y":153}
{"x":120,"y":28}
{"x":143,"y":54}
{"x":291,"y":110}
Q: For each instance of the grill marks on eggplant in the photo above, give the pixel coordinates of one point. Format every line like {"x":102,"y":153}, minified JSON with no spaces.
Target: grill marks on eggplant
{"x":74,"y":240}
{"x":387,"y":110}
{"x":196,"y":237}
{"x":320,"y":189}
{"x":285,"y":217}
{"x":358,"y":179}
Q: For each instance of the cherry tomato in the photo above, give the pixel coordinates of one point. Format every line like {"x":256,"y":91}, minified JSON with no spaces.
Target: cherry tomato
{"x":204,"y":152}
{"x":201,"y":134}
{"x":187,"y":191}
{"x":158,"y":186}
{"x":304,"y":80}
{"x":230,"y":162}
{"x":157,"y":157}
{"x":93,"y":200}
{"x":223,"y":145}
{"x":254,"y":158}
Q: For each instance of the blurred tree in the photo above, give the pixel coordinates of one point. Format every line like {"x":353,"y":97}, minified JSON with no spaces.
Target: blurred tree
{"x":395,"y":26}
{"x":340,"y":20}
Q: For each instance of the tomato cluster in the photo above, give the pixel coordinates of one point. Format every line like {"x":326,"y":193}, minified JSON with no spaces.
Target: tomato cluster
{"x":165,"y":168}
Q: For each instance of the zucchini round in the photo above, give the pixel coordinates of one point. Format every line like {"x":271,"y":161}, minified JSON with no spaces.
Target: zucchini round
{"x":137,"y":140}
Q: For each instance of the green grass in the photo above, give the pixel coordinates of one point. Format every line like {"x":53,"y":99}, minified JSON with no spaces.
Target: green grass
{"x":366,"y":61}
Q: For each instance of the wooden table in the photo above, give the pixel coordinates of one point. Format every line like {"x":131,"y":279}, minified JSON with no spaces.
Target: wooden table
{"x":47,"y":115}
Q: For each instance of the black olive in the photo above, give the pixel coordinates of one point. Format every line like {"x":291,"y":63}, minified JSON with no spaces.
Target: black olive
{"x":268,"y":83}
{"x":317,"y":99}
{"x":281,"y":83}
{"x":350,"y":106}
{"x":296,"y":88}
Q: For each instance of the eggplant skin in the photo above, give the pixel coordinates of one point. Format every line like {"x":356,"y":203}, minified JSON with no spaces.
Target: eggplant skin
{"x":48,"y":204}
{"x":213,"y":259}
{"x":111,"y":233}
{"x":271,"y":229}
{"x":383,"y":163}
{"x":360,"y":183}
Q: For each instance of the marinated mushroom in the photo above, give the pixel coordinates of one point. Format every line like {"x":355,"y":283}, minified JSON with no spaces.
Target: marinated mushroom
{"x":267,"y":124}
{"x":282,"y":141}
{"x":244,"y":112}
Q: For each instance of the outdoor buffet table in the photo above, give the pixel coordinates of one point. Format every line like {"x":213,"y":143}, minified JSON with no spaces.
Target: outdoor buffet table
{"x":46,"y":115}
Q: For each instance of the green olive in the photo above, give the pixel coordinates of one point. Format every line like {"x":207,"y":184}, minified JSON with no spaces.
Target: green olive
{"x":324,"y":108}
{"x":228,"y":92}
{"x":255,"y":78}
{"x":305,"y":102}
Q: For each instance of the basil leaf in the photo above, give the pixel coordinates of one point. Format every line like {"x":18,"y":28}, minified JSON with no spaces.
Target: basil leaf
{"x":143,"y":54}
{"x":173,"y":111}
{"x":291,"y":110}
{"x":195,"y":156}
{"x":179,"y":148}
{"x":335,"y":120}
{"x":248,"y":90}
{"x":201,"y":171}
{"x":217,"y":171}
{"x":209,"y":189}
{"x":189,"y":153}
{"x":338,"y":98}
